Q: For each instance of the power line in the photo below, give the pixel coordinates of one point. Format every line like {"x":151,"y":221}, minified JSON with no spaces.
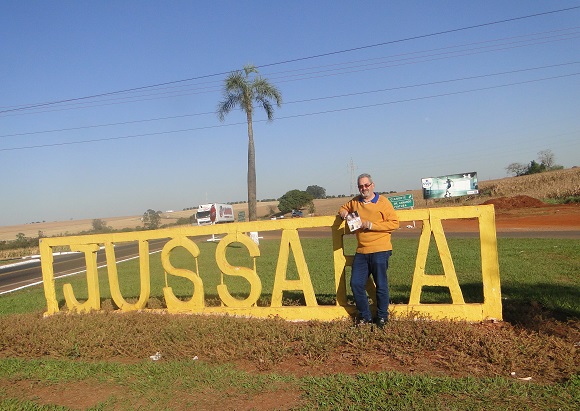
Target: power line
{"x":121,"y":123}
{"x":27,"y":107}
{"x":96,"y":140}
{"x":419,"y":37}
{"x":403,"y":59}
{"x":301,"y":101}
{"x":427,"y":97}
{"x":429,"y":83}
{"x":289,"y":117}
{"x":552,"y":33}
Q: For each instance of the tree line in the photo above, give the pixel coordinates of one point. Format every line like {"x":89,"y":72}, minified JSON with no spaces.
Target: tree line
{"x":545,"y":162}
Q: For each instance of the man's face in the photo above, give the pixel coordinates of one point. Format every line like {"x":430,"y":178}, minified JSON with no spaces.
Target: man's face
{"x":365,"y":187}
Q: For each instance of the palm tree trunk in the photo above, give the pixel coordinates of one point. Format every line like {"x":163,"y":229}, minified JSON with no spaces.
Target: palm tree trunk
{"x":252,"y":214}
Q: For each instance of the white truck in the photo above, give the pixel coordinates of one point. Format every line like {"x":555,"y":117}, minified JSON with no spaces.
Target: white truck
{"x":214,"y":214}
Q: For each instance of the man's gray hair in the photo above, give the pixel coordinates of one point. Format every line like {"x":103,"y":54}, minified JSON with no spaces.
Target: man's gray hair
{"x":363,"y":175}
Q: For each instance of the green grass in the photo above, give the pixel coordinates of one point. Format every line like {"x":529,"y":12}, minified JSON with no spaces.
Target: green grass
{"x":392,"y":391}
{"x":153,"y":386}
{"x":563,"y":200}
{"x":244,"y":362}
{"x":543,"y":271}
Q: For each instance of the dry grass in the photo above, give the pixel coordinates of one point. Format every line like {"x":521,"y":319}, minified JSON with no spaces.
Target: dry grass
{"x":553,"y":184}
{"x":18,"y":253}
{"x":6,"y":256}
{"x":420,"y":347}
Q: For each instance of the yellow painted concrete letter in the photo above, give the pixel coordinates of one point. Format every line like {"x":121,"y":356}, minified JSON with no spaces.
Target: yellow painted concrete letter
{"x":93,"y":301}
{"x":174,"y":304}
{"x":249,"y":274}
{"x":47,"y":261}
{"x":290,"y":240}
{"x":420,"y":278}
{"x":143,"y":275}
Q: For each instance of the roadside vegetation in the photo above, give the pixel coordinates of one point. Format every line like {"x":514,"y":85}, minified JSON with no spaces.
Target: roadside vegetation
{"x":545,"y":162}
{"x":527,"y":362}
{"x":560,"y":186}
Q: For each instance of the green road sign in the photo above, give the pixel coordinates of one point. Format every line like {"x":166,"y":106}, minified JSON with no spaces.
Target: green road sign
{"x":404,"y":201}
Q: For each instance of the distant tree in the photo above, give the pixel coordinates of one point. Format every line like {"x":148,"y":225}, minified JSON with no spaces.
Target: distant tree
{"x":294,"y":200}
{"x":21,"y":239}
{"x":185,"y":220}
{"x":151,"y":219}
{"x":316,"y":191}
{"x":242,"y":91}
{"x":517,"y":169}
{"x":545,"y":163}
{"x":546,"y":157}
{"x":535,"y":167}
{"x":311,"y":207}
{"x":100,"y":226}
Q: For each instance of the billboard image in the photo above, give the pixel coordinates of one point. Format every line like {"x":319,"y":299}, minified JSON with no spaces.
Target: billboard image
{"x":451,"y":185}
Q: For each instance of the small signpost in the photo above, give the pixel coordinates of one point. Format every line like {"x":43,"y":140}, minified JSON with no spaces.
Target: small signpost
{"x":402,"y":202}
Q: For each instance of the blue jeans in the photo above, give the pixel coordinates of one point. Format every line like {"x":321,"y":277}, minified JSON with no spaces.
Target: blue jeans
{"x":362,"y":267}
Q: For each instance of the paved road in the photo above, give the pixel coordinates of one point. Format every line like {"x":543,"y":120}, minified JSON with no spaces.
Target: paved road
{"x":500,"y":234}
{"x":416,"y":232}
{"x":25,"y":274}
{"x":28,"y":272}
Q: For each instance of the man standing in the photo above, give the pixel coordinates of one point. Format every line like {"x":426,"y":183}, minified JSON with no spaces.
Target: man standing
{"x":374,"y":248}
{"x":448,"y":189}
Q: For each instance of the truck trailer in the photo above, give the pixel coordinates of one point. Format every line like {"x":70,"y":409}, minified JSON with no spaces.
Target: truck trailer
{"x":214,"y":213}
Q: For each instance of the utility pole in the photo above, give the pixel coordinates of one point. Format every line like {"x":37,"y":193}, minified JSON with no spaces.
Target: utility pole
{"x":351,"y":166}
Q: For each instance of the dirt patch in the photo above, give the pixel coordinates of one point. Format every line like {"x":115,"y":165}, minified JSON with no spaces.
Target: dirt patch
{"x":79,"y":395}
{"x":521,"y":201}
{"x":515,"y":215}
{"x":350,"y":362}
{"x":85,"y":395}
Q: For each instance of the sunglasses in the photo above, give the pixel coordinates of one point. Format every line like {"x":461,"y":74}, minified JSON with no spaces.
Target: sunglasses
{"x":362,"y":186}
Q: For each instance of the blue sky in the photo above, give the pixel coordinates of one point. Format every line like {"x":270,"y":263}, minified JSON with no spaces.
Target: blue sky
{"x":399,"y":89}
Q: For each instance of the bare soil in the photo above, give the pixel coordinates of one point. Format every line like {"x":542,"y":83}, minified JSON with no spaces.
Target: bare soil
{"x":524,"y":213}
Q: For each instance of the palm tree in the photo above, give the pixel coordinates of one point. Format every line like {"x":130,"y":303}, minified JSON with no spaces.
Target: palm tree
{"x":241,"y":90}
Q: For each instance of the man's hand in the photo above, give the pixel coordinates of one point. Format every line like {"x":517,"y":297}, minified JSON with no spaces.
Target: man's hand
{"x":366,"y":225}
{"x":343,"y":214}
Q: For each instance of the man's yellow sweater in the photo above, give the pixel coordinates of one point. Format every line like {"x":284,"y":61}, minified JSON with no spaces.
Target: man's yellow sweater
{"x":380,"y":212}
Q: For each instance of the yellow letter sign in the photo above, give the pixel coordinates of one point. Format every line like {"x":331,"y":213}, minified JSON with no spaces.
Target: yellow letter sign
{"x":432,"y":227}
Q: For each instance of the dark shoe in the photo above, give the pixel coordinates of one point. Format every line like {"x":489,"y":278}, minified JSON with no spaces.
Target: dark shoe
{"x":381,"y":322}
{"x":361,"y":322}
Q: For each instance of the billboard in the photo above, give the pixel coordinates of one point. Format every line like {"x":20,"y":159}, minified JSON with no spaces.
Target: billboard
{"x":451,"y":185}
